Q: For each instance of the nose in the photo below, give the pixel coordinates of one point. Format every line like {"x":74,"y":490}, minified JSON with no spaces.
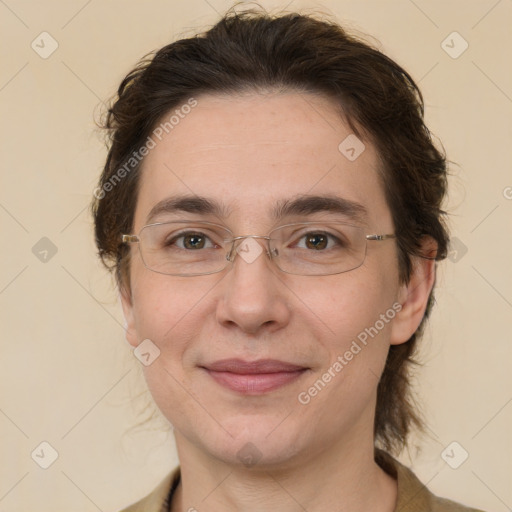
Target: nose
{"x":252,"y":296}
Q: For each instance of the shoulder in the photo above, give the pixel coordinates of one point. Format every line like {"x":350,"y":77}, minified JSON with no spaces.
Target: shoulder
{"x":413,"y":495}
{"x":156,"y":501}
{"x":444,"y":505}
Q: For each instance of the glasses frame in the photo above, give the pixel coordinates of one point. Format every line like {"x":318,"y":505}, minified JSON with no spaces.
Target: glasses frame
{"x":231,"y":254}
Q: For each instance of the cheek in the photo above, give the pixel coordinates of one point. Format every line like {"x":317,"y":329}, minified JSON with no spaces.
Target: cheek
{"x":173,"y":313}
{"x":347,"y":304}
{"x":357,"y":344}
{"x":166,"y":311}
{"x":166,"y":307}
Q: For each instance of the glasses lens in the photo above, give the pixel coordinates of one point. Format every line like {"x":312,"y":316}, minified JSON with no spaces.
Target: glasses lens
{"x":184,"y":248}
{"x":318,"y":248}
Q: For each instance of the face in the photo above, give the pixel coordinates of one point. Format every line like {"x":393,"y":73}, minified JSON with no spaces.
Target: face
{"x":247,"y":153}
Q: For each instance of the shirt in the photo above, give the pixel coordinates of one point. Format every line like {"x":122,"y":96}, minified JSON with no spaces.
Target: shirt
{"x":412,"y":496}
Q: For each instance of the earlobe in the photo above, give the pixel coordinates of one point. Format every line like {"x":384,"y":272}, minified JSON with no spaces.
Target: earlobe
{"x":414,"y":296}
{"x":126,"y":303}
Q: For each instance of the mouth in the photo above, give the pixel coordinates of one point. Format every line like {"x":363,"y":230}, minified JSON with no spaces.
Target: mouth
{"x":254,"y":377}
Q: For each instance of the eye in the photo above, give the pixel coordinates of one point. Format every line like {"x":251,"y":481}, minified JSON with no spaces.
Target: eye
{"x":190,"y":240}
{"x":318,"y":241}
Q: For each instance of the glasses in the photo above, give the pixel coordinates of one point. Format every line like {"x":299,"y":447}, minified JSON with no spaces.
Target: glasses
{"x":195,"y":248}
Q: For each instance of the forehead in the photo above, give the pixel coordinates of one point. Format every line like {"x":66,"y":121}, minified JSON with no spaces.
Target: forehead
{"x":252,"y":152}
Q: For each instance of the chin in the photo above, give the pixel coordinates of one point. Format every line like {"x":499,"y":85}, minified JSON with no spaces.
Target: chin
{"x":257,"y":442}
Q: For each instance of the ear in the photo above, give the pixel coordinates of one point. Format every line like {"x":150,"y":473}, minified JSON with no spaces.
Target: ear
{"x":414,"y":295}
{"x":126,"y":302}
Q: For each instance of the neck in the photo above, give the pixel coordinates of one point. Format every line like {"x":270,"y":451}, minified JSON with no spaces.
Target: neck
{"x":343,"y":477}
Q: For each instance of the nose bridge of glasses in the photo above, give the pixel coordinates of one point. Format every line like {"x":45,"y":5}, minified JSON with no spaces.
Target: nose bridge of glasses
{"x":237,"y":240}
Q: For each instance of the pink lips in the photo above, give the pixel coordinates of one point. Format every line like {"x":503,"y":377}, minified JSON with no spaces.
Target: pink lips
{"x":253,"y":377}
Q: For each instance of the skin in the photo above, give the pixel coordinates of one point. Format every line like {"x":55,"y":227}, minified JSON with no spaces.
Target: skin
{"x":247,"y":152}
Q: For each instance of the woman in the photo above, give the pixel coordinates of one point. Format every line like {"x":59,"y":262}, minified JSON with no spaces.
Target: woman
{"x":271,"y":205}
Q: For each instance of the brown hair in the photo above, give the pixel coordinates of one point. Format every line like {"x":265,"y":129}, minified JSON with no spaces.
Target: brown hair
{"x":254,"y":51}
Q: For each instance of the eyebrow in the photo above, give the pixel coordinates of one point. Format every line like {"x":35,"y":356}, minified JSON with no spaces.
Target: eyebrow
{"x":301,"y":205}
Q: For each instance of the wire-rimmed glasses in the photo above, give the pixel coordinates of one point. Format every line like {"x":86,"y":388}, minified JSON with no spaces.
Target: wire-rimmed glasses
{"x":194,"y":248}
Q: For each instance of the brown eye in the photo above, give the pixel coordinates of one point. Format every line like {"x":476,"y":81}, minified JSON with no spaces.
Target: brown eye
{"x":193,"y":241}
{"x":188,"y":241}
{"x":316,"y":241}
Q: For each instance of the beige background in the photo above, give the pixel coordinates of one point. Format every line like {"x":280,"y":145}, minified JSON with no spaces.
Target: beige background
{"x":67,"y":376}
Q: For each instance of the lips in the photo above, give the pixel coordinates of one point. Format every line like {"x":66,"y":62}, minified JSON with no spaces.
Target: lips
{"x":253,"y":367}
{"x":254,"y":377}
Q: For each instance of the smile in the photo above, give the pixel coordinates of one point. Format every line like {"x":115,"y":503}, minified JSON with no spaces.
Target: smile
{"x":254,"y":378}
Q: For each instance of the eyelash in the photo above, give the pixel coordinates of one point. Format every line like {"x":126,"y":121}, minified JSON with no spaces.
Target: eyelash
{"x":172,"y":241}
{"x":323,"y":233}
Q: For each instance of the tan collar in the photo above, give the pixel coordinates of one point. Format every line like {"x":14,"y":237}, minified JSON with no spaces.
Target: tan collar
{"x":413,"y":496}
